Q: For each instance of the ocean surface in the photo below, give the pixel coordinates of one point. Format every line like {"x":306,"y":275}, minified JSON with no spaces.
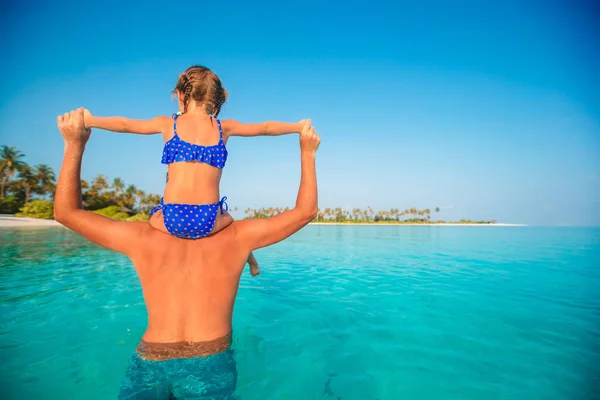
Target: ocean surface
{"x":339,"y":312}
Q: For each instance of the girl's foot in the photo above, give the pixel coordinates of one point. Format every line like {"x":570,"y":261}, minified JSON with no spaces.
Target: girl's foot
{"x":157,"y":222}
{"x":254,"y":269}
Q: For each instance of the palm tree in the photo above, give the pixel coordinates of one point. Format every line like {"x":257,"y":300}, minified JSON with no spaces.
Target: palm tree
{"x":10,"y":162}
{"x":131,"y":190}
{"x":338,"y":214}
{"x":437,"y":209}
{"x":148,"y":202}
{"x":28,"y":181}
{"x":414,"y":212}
{"x":130,"y":197}
{"x":118,"y":185}
{"x":100,"y":183}
{"x":152,"y":200}
{"x":140,"y":195}
{"x":47,"y":179}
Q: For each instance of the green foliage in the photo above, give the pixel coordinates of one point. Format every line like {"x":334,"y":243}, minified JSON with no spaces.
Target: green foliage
{"x":113,"y":212}
{"x":367,"y":216}
{"x":108,"y":211}
{"x":97,"y":201}
{"x":10,"y":162}
{"x":20,"y":183}
{"x":9,"y":205}
{"x":38,"y":209}
{"x":120,"y":216}
{"x":139,"y":218}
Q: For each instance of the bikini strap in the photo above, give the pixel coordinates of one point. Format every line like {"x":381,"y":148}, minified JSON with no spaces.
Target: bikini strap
{"x":158,"y":207}
{"x":224,"y":207}
{"x":220,"y":131}
{"x":175,"y":116}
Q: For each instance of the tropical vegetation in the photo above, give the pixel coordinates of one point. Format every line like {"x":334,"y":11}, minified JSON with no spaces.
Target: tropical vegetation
{"x":28,"y":191}
{"x":366,"y":216}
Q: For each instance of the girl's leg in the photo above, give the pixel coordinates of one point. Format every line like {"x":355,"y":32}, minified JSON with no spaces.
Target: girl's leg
{"x":157,"y":221}
{"x":222,"y":222}
{"x":254,"y":269}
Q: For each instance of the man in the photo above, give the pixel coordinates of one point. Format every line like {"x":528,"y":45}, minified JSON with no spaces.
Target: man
{"x":189,"y":286}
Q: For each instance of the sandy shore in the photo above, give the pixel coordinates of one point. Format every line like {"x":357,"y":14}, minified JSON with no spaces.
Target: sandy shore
{"x":8,"y":221}
{"x":402,"y":224}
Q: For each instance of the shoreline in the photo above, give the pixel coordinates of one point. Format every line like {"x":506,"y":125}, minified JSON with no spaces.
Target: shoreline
{"x":410,"y":224}
{"x":7,"y":221}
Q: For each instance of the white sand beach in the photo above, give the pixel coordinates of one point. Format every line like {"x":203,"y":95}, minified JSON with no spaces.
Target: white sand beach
{"x":9,"y":221}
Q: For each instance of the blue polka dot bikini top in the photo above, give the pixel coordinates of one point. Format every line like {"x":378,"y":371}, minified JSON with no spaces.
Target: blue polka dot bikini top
{"x":177,"y":150}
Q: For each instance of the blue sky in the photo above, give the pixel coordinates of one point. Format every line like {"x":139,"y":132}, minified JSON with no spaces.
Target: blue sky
{"x":487,"y":111}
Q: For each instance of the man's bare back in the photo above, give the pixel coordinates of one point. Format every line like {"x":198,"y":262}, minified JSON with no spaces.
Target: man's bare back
{"x":189,"y":285}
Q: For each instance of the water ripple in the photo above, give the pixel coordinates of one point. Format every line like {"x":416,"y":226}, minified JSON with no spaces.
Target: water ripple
{"x":338,"y":312}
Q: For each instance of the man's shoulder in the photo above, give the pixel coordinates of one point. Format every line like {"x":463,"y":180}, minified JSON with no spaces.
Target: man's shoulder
{"x":238,"y":226}
{"x":147,"y":236}
{"x":232,"y":234}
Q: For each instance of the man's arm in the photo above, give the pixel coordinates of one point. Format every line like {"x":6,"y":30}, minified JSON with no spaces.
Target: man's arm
{"x":114,"y":235}
{"x":257,"y":233}
{"x":269,"y":128}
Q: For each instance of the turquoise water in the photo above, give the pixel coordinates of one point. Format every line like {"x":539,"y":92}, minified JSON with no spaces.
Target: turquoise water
{"x":338,"y":313}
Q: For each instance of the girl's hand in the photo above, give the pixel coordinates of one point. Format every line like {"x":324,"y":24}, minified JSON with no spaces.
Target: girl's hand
{"x":309,"y":140}
{"x":87,"y":116}
{"x":302,"y":124}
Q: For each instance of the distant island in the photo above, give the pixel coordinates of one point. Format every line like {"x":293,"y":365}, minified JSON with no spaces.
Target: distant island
{"x":27,"y":191}
{"x":368,"y":216}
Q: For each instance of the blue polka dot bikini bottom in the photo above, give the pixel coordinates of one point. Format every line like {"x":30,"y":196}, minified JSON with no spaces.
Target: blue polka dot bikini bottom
{"x":190,"y":221}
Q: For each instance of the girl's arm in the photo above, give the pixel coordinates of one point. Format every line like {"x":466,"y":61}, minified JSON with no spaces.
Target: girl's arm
{"x":269,"y":128}
{"x":126,"y":125}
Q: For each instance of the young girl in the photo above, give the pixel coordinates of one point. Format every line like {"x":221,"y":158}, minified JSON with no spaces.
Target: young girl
{"x":195,"y":153}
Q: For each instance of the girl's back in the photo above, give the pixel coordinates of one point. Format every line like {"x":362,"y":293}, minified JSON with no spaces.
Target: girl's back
{"x":197,"y":140}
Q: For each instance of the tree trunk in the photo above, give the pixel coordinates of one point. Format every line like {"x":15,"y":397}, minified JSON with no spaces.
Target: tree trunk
{"x":26,"y":195}
{"x":3,"y":185}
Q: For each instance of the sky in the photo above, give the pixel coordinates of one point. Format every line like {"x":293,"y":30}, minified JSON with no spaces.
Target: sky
{"x":488,"y":111}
